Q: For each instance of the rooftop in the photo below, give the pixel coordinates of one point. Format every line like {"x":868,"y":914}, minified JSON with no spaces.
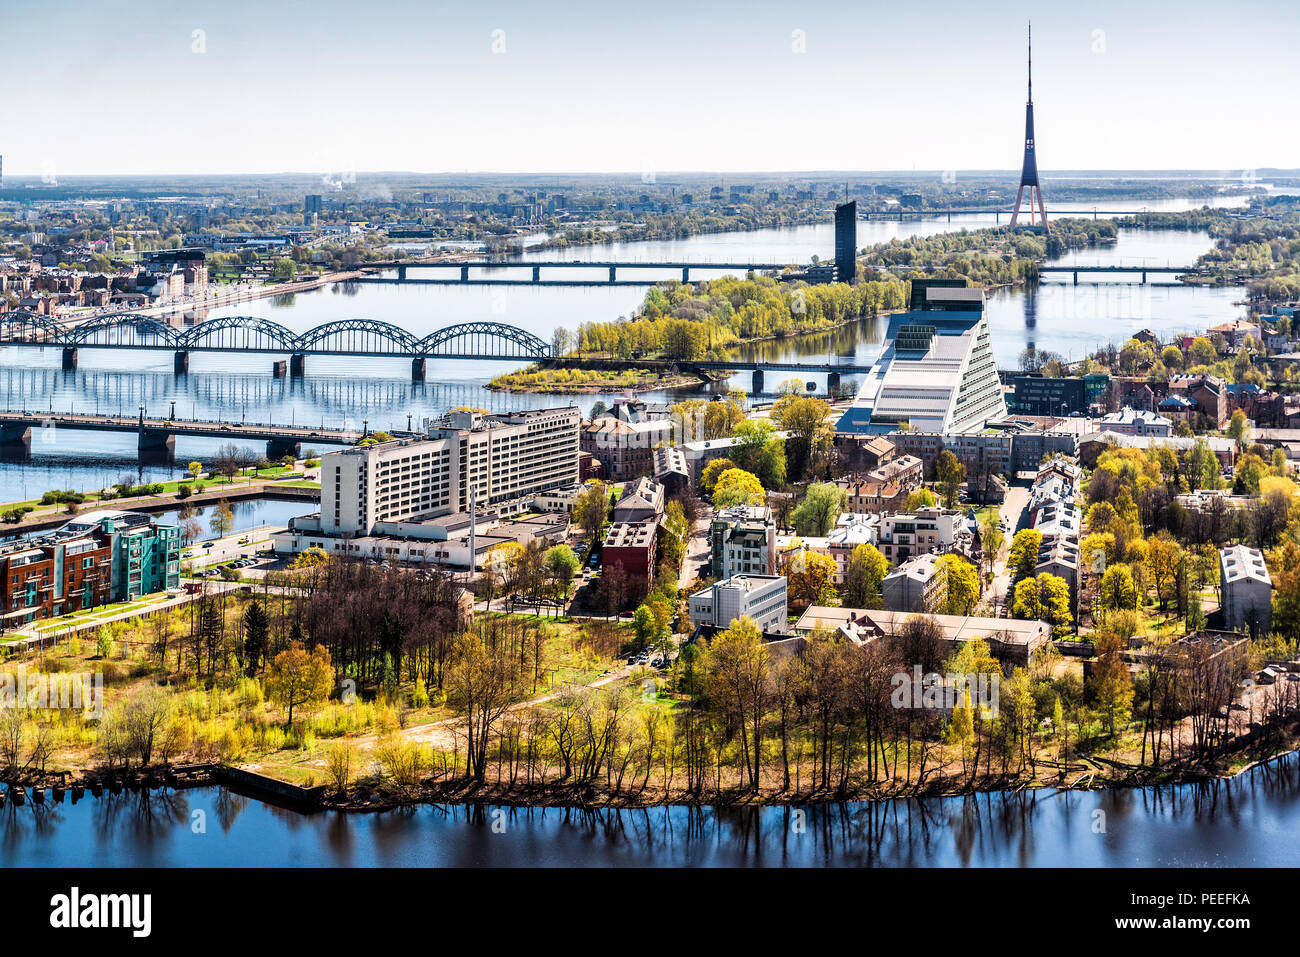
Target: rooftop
{"x":954,"y":627}
{"x":1242,"y":563}
{"x":630,"y":535}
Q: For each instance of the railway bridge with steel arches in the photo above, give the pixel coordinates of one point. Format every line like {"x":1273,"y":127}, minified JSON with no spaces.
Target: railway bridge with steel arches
{"x":341,"y":337}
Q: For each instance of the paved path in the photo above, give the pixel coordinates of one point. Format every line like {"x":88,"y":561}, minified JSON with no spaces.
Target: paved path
{"x":1015,"y":512}
{"x":697,"y":550}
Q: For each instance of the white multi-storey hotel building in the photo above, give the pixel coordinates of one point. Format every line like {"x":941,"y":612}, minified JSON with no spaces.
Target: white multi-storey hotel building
{"x":502,"y":457}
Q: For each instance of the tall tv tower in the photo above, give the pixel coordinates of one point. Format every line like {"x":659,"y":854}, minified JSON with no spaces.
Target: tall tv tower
{"x":1029,"y":171}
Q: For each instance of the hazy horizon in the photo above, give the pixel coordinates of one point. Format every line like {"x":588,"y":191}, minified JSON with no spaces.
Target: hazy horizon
{"x":240,"y":88}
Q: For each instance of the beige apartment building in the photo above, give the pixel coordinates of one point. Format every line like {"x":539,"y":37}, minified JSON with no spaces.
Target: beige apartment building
{"x":502,"y":457}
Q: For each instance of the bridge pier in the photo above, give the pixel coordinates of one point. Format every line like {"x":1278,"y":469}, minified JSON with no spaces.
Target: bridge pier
{"x":832,"y":383}
{"x":69,"y":360}
{"x":417,"y":369}
{"x":279,"y":369}
{"x":757,"y":382}
{"x":157,"y":443}
{"x":1144,"y":277}
{"x":1076,"y":279}
{"x":278,"y":448}
{"x":464,"y":274}
{"x":16,"y":436}
{"x":686,"y":274}
{"x":298,"y":365}
{"x":181,"y":362}
{"x":612,"y":271}
{"x":401,"y":273}
{"x":537,"y":273}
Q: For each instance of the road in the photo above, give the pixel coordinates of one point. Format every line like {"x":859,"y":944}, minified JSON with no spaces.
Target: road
{"x":127,"y":423}
{"x":1015,"y":512}
{"x":697,"y":551}
{"x":230,"y":547}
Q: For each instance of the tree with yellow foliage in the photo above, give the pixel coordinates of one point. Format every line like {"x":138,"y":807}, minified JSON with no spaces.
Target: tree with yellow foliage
{"x":738,"y":487}
{"x":810,"y":578}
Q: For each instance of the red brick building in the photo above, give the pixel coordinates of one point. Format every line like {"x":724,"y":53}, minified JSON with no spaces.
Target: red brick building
{"x":50,"y":577}
{"x":631,"y":547}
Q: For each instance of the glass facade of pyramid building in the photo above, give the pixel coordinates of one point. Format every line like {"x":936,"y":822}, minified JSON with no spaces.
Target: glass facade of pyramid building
{"x":936,"y":371}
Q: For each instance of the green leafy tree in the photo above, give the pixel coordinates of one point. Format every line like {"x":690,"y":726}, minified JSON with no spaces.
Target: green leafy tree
{"x":1044,"y":597}
{"x":760,"y":450}
{"x":1117,"y":589}
{"x":950,"y":474}
{"x":820,"y":509}
{"x":257,"y":629}
{"x":1239,"y":429}
{"x":863,"y":573}
{"x":920,"y":498}
{"x":963,"y":581}
{"x":561,"y":565}
{"x":1024,"y":553}
{"x":298,"y":678}
{"x":1111,"y":684}
{"x":591,"y":509}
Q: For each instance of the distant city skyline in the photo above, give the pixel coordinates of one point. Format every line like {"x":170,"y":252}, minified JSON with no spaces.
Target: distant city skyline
{"x":245,"y":88}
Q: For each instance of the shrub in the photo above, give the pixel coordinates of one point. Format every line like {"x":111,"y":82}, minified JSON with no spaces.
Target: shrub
{"x":105,"y":647}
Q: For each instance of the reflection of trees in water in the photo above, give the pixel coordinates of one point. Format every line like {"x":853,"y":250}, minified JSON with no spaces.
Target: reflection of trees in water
{"x":229,"y":805}
{"x":145,"y":815}
{"x":845,"y":341}
{"x":21,"y":822}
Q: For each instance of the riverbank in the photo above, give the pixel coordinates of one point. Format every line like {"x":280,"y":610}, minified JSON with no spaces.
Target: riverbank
{"x":371,"y":798}
{"x":57,"y":516}
{"x":236,"y":293}
{"x":588,"y":381}
{"x":581,"y":380}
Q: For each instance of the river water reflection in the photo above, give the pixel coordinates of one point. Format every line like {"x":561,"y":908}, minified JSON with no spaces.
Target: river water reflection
{"x":1249,"y":821}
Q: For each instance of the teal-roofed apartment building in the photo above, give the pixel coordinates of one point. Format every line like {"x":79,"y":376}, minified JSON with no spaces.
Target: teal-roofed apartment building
{"x":146,"y":554}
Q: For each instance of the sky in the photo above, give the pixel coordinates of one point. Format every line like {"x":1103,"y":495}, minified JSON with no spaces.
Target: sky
{"x":261,"y":86}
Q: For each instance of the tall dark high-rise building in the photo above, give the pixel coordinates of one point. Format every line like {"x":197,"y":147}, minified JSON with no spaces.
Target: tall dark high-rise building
{"x":1029,"y":170}
{"x":846,"y":241}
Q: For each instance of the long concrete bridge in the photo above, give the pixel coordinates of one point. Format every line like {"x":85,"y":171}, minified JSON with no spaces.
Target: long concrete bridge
{"x":157,"y":436}
{"x":535,"y":267}
{"x":1117,"y":270}
{"x":898,"y":215}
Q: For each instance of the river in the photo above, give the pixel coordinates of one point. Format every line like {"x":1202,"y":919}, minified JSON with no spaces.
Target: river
{"x":1071,"y":320}
{"x":1249,"y":821}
